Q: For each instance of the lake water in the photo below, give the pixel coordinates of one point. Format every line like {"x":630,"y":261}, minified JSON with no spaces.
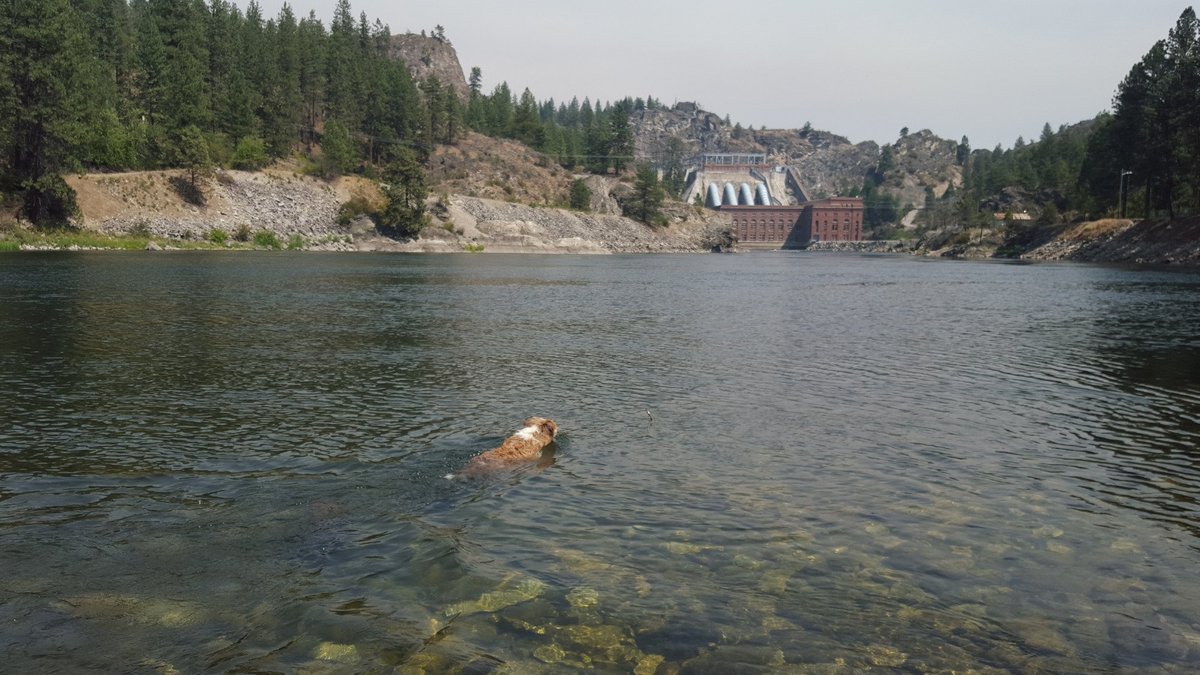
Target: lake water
{"x":769,"y":462}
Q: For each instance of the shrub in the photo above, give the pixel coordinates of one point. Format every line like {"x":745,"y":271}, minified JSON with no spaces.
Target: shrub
{"x":295,"y":243}
{"x":473,"y":248}
{"x":351,"y":210}
{"x":250,"y":154}
{"x":242,"y":233}
{"x":337,"y":150}
{"x":218,"y":236}
{"x":49,"y":201}
{"x":581,"y":195}
{"x":266,"y":238}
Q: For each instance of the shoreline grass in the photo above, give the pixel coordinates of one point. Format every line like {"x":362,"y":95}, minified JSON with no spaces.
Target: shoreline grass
{"x":28,"y":239}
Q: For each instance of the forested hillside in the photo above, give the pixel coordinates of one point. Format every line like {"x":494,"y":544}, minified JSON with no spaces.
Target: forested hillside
{"x":195,"y":84}
{"x":106,"y":84}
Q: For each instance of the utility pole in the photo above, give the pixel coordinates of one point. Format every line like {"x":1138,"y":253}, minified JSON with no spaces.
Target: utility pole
{"x":1121,"y":193}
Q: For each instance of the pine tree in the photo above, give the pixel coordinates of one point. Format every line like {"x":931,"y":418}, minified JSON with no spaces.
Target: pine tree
{"x":475,"y":84}
{"x":342,"y":68}
{"x":192,"y":155}
{"x":963,"y":152}
{"x":184,"y":90}
{"x":337,"y":150}
{"x":526,"y":123}
{"x":42,"y":46}
{"x":596,"y":147}
{"x":283,"y":102}
{"x":620,"y":135}
{"x":581,"y":195}
{"x":436,"y":113}
{"x":673,"y":170}
{"x":500,"y":111}
{"x":405,"y":190}
{"x":312,"y":43}
{"x":648,"y":194}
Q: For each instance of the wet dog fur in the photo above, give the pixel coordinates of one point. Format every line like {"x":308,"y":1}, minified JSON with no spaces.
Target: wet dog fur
{"x":524,"y":446}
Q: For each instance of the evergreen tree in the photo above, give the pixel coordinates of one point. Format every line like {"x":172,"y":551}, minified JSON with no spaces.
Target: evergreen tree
{"x":184,"y":90}
{"x":963,"y":152}
{"x":646,"y":203}
{"x":311,"y":44}
{"x":674,"y":174}
{"x":342,"y":68}
{"x":620,"y":138}
{"x":526,"y":123}
{"x":596,"y":147}
{"x":887,"y":163}
{"x":475,"y":115}
{"x":581,"y":195}
{"x":436,"y":109}
{"x":42,"y":49}
{"x":192,"y":156}
{"x":499,"y":111}
{"x":337,"y":150}
{"x":475,"y":84}
{"x":405,"y":190}
{"x":283,"y":102}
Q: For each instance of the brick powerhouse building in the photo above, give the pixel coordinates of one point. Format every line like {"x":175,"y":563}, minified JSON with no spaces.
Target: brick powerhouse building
{"x":833,"y":219}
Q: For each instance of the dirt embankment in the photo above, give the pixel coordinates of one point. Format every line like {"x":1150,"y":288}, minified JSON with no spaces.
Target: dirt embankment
{"x":463,"y":222}
{"x":1154,"y":242}
{"x":157,"y":203}
{"x":289,"y":205}
{"x":1174,"y":242}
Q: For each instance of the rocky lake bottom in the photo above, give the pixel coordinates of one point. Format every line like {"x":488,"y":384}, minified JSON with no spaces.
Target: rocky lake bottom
{"x":771,"y":462}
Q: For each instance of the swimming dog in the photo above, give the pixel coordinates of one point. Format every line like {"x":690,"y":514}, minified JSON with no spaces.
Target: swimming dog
{"x":524,"y":446}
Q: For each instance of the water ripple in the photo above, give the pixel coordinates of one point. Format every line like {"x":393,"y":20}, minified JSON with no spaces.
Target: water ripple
{"x":214,"y":462}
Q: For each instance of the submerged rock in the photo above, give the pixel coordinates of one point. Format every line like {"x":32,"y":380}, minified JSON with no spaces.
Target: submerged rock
{"x":505,"y":596}
{"x":885,"y":656}
{"x":338,"y":653}
{"x":583,"y":598}
{"x":648,"y":665}
{"x":146,"y":611}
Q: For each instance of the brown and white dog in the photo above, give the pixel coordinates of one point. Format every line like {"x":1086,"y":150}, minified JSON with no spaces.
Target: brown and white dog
{"x":524,"y":446}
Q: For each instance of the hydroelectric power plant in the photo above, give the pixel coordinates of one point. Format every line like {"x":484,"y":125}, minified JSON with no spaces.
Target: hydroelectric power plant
{"x":769,"y":206}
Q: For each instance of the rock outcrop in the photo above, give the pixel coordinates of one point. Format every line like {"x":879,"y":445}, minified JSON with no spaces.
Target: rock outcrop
{"x":427,"y":56}
{"x":922,"y":160}
{"x":827,"y":164}
{"x":465,"y":223}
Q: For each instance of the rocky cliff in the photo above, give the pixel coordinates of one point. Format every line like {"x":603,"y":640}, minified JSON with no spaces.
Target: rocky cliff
{"x":427,"y":56}
{"x":922,"y":160}
{"x":828,"y":164}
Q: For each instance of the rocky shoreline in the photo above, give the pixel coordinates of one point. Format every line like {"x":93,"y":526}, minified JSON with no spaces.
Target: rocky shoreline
{"x":302,"y":212}
{"x":301,"y":209}
{"x":908,"y":246}
{"x":1149,"y":242}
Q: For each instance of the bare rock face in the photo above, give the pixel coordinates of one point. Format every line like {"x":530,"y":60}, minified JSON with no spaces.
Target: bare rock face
{"x":827,"y":164}
{"x":837,"y":168}
{"x":699,"y":130}
{"x":427,"y":56}
{"x":923,"y":160}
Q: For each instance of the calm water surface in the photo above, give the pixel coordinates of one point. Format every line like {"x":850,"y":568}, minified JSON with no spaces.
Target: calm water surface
{"x":768,"y":462}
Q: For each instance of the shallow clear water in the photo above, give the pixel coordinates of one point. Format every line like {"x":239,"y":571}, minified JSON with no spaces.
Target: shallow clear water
{"x":768,"y":462}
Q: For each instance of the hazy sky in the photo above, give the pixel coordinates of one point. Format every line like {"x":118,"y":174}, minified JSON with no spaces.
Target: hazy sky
{"x":990,"y":70}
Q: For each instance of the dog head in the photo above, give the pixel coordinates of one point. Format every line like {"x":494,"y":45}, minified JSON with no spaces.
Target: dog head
{"x":546,"y":426}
